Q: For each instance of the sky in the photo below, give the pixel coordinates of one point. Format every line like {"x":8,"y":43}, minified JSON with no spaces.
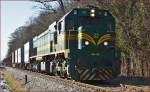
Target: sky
{"x":13,"y":15}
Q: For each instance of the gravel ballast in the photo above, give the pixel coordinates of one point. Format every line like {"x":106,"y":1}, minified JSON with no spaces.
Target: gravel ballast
{"x":37,"y":82}
{"x":41,"y":83}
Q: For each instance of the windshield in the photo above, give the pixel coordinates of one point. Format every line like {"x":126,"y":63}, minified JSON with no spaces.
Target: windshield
{"x":89,"y":21}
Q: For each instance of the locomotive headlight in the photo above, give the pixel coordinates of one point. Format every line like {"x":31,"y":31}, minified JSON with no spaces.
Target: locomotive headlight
{"x":86,"y":43}
{"x":92,"y":11}
{"x":92,"y":15}
{"x":105,"y":43}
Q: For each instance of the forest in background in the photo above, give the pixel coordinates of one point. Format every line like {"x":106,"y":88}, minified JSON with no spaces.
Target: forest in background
{"x":132,"y":29}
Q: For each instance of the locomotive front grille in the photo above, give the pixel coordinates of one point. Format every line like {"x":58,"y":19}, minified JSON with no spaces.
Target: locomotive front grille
{"x":95,"y":74}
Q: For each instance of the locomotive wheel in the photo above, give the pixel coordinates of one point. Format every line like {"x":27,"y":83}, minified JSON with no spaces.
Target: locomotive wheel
{"x":54,"y":72}
{"x":58,"y":69}
{"x":63,"y":69}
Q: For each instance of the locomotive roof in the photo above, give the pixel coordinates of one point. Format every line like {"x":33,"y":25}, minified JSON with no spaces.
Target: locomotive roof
{"x":103,"y":10}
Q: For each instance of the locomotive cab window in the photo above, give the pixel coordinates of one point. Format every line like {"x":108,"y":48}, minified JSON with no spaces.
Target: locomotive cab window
{"x":70,"y":24}
{"x":59,"y":26}
{"x":55,"y":27}
{"x":88,"y":21}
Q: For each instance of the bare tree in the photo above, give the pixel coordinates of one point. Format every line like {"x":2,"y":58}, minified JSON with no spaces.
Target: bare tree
{"x":131,"y":34}
{"x":47,"y":6}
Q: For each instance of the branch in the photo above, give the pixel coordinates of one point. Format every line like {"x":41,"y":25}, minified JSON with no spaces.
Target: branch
{"x":47,"y":6}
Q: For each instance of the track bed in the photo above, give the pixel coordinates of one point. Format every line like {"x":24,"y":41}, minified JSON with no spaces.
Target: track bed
{"x":37,"y":82}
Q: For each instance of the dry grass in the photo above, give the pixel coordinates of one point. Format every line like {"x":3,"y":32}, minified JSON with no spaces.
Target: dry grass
{"x":19,"y":85}
{"x":15,"y":85}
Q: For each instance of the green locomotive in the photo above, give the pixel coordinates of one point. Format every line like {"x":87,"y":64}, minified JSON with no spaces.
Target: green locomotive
{"x":91,"y":41}
{"x":80,"y":46}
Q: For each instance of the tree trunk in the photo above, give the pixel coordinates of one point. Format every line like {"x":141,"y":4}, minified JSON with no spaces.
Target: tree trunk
{"x":147,"y":3}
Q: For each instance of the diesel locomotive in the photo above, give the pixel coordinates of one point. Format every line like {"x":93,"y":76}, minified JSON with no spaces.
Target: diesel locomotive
{"x":80,"y":46}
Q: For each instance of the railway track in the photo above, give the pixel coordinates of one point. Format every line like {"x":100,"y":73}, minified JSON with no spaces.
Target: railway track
{"x":72,"y":82}
{"x":103,"y":87}
{"x":135,"y":88}
{"x":95,"y":87}
{"x":116,"y":87}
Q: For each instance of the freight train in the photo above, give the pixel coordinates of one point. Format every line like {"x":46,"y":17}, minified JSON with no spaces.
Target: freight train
{"x":80,"y":46}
